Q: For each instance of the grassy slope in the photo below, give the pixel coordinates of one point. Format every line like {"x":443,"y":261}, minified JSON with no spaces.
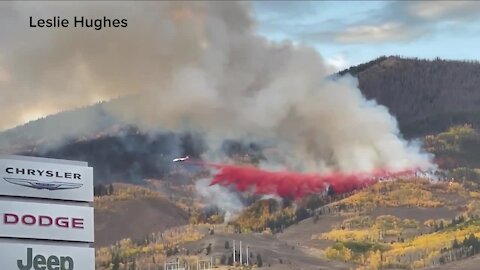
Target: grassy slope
{"x":134,"y":212}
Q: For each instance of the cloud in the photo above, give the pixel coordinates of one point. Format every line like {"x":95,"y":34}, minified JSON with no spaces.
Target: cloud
{"x":372,"y":33}
{"x":284,"y":9}
{"x":279,"y":19}
{"x":436,"y":10}
{"x":397,"y":22}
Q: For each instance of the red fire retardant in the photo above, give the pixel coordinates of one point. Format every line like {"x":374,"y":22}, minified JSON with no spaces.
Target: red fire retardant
{"x":292,"y":184}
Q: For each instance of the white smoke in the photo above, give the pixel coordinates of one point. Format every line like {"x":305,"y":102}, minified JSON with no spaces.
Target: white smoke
{"x":198,"y":66}
{"x":221,"y":197}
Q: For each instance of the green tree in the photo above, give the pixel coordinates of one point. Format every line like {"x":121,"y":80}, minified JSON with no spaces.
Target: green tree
{"x":455,"y":244}
{"x":440,"y":226}
{"x":110,"y":189}
{"x":209,"y":249}
{"x":115,"y":261}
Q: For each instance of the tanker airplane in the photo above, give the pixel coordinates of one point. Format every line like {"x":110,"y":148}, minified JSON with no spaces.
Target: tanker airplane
{"x":181,"y":159}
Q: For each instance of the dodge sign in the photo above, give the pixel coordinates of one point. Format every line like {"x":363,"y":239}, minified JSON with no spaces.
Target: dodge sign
{"x":46,"y":221}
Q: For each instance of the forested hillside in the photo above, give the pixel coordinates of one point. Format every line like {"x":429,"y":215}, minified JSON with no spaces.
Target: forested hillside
{"x":425,"y":96}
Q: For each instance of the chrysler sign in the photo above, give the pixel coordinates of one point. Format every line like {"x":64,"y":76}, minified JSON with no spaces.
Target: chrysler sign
{"x":26,"y":256}
{"x":46,"y":221}
{"x":31,"y":178}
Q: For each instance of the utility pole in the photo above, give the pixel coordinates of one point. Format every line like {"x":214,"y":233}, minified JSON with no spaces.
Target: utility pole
{"x":241,"y":261}
{"x":233,"y":252}
{"x":248,"y":255}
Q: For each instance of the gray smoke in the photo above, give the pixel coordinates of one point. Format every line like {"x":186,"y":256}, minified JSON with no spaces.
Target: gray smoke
{"x":197,"y":66}
{"x":221,"y":197}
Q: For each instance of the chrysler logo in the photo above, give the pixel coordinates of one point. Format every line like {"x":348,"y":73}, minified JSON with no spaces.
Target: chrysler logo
{"x":54,"y":185}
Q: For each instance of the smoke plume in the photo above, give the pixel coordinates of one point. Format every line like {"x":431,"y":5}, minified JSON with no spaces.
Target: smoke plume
{"x":198,"y":66}
{"x":221,"y":197}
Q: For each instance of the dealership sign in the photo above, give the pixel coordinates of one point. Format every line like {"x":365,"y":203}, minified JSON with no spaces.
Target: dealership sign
{"x":35,"y":179}
{"x":23,"y":256}
{"x":46,"y":221}
{"x":46,"y":214}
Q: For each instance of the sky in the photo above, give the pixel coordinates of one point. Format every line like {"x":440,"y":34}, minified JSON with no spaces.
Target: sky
{"x":348,"y":33}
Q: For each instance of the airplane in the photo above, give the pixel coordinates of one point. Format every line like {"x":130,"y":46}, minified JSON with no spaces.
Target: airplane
{"x":181,"y":159}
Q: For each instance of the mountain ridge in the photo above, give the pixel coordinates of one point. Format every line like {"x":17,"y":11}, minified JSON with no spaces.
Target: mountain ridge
{"x":395,"y":82}
{"x":425,"y":96}
{"x":415,"y":91}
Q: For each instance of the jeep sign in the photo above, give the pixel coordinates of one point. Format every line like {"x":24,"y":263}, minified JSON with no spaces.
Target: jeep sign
{"x":48,"y":180}
{"x":46,"y":221}
{"x":26,"y":256}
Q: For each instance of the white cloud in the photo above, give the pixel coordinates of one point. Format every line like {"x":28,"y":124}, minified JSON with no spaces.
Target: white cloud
{"x":370,"y":33}
{"x":373,"y":33}
{"x":430,"y":10}
{"x":395,"y":22}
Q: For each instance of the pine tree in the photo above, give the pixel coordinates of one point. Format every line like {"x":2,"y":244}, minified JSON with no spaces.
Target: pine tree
{"x":455,"y":244}
{"x":110,"y":189}
{"x":115,"y":261}
{"x":209,"y":249}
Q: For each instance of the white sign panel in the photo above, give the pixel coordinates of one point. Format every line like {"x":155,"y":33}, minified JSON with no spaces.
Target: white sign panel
{"x":24,"y":256}
{"x":25,"y":178}
{"x":46,"y":221}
